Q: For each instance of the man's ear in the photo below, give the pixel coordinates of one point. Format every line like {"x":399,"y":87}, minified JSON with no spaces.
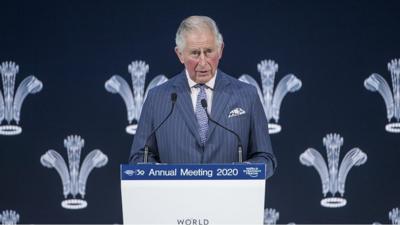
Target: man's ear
{"x":179,"y":54}
{"x":221,"y":50}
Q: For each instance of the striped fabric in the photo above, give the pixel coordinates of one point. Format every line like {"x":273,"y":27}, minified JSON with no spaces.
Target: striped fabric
{"x":178,"y":139}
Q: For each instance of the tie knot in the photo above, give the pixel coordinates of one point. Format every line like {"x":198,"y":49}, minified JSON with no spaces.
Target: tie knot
{"x":201,"y":86}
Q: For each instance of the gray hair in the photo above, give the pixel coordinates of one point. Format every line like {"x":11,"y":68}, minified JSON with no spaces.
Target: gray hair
{"x":196,"y":23}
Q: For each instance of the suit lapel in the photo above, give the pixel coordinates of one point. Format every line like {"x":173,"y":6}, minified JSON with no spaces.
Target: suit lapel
{"x":185,"y":105}
{"x":220,"y":100}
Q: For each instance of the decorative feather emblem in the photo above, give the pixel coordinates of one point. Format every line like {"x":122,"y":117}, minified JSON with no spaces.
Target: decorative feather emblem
{"x":333,"y":176}
{"x":10,"y":104}
{"x":271,"y":99}
{"x":74,"y":178}
{"x":135,"y":97}
{"x":376,"y":82}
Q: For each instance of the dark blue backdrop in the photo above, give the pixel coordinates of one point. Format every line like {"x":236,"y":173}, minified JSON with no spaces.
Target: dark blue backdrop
{"x":74,"y":47}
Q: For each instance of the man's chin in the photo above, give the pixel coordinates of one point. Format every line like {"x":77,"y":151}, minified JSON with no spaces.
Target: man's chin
{"x":203,"y":78}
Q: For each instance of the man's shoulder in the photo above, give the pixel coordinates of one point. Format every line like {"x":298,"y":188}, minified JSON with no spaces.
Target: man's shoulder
{"x":238,"y":85}
{"x":167,"y":86}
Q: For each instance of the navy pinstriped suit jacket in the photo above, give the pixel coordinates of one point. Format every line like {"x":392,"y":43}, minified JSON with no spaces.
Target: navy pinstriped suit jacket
{"x":178,"y":139}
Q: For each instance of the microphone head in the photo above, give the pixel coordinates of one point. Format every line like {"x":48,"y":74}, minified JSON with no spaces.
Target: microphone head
{"x":203,"y":103}
{"x":174,"y":96}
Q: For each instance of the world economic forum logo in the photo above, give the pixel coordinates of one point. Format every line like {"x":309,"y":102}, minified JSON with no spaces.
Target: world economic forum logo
{"x":74,"y":180}
{"x":376,"y":82}
{"x":9,"y":217}
{"x":332,"y":176}
{"x":252,"y":171}
{"x":272,"y":100}
{"x":137,"y":172}
{"x":135,"y":97}
{"x":10,"y":103}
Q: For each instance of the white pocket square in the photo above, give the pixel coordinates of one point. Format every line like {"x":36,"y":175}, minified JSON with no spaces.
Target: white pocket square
{"x":236,"y":112}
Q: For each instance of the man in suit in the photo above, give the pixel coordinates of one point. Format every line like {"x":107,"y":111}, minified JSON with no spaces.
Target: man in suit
{"x":187,"y":136}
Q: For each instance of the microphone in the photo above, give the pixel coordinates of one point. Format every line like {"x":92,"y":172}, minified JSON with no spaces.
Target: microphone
{"x":174,"y":96}
{"x":240,"y":147}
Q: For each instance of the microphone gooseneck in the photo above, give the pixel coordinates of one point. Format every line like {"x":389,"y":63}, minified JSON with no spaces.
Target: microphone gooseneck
{"x":240,"y":147}
{"x":174,"y":97}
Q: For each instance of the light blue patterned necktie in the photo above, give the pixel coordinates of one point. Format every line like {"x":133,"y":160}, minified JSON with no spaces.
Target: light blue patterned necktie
{"x":201,"y":113}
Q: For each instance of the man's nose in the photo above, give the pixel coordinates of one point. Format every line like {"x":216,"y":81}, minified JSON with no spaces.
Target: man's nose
{"x":202,"y":59}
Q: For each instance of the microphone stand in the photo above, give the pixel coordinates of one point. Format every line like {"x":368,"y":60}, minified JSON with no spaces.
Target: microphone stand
{"x":240,"y":147}
{"x":174,"y":96}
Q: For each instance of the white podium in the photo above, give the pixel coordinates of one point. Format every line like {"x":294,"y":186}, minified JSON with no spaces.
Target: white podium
{"x":193,"y":194}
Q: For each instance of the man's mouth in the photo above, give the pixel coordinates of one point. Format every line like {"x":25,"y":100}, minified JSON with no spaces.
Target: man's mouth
{"x":204,"y":72}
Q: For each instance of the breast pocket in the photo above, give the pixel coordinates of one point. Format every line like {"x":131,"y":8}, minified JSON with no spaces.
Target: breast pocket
{"x":238,"y":121}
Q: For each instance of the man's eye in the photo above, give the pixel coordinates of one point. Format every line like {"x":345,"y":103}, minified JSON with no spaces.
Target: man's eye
{"x":209,"y":52}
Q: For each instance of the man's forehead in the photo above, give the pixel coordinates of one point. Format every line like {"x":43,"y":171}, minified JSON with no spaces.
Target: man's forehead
{"x":199,"y":29}
{"x":200,"y":48}
{"x":202,"y":41}
{"x":198,"y":33}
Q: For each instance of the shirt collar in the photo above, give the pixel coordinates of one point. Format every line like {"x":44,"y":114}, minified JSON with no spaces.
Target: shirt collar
{"x":210,"y":84}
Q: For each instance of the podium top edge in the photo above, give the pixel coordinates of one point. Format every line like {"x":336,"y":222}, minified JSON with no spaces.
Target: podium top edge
{"x":224,"y":171}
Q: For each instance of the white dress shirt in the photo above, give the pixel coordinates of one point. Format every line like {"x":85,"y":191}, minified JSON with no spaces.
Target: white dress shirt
{"x":195,"y":91}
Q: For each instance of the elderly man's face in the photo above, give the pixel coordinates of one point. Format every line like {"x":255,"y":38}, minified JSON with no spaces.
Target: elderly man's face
{"x":200,"y":55}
